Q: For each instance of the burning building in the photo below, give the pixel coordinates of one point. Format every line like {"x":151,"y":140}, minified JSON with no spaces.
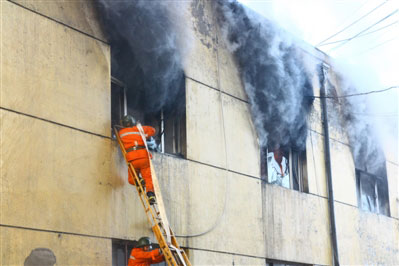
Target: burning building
{"x":258,"y":162}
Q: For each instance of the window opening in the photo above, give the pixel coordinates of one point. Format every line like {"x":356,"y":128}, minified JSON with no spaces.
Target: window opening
{"x":286,"y":167}
{"x":372,"y":192}
{"x":169,"y":122}
{"x":171,"y":128}
{"x":121,"y":250}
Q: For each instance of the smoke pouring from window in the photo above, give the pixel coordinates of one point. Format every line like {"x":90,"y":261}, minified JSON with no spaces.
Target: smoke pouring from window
{"x":366,"y":147}
{"x":145,"y":52}
{"x":273,"y":73}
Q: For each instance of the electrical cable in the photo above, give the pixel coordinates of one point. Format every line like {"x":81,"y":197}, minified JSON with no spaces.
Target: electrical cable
{"x":219,"y":219}
{"x":367,"y":33}
{"x":351,"y":24}
{"x":355,"y":94}
{"x":381,"y":20}
{"x":352,"y":15}
{"x":381,"y":44}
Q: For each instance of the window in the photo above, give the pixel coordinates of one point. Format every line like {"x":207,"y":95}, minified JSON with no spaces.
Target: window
{"x":118,"y":102}
{"x":372,"y":192}
{"x":170,"y":124}
{"x":285,"y":167}
{"x":121,"y":250}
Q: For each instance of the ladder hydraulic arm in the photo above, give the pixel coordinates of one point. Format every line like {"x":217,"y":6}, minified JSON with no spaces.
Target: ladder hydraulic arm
{"x":156,"y":215}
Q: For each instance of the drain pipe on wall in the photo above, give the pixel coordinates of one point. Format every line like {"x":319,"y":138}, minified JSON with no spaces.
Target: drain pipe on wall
{"x":323,"y":81}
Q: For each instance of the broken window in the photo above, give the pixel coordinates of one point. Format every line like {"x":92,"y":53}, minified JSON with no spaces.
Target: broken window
{"x":372,"y":192}
{"x":285,"y":167}
{"x":118,"y":102}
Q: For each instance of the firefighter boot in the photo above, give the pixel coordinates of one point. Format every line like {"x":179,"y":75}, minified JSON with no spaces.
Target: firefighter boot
{"x":151,"y":197}
{"x":142,"y":182}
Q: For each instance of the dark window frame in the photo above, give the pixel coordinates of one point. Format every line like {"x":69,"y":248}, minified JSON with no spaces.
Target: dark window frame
{"x":171,"y":126}
{"x":126,"y":247}
{"x":380,"y":185}
{"x":300,"y":170}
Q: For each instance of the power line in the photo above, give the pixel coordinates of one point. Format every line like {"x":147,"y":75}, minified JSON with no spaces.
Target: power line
{"x":351,"y":24}
{"x":367,"y":33}
{"x":349,"y":18}
{"x":381,"y":20}
{"x":355,"y":94}
{"x":381,"y":44}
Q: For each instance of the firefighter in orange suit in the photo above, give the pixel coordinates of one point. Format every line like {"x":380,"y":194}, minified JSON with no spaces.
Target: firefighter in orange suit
{"x":136,"y":152}
{"x":141,"y":255}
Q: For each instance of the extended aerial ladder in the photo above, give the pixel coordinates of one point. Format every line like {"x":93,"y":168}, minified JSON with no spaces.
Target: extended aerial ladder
{"x":156,"y":215}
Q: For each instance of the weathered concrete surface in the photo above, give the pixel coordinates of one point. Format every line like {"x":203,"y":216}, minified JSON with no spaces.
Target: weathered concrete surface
{"x":17,"y":245}
{"x":200,"y":257}
{"x":200,"y":197}
{"x":241,"y":137}
{"x":205,"y":137}
{"x":296,"y":226}
{"x":68,"y":174}
{"x":209,"y":127}
{"x":393,"y":188}
{"x":366,"y":238}
{"x":201,"y":60}
{"x":79,"y":14}
{"x":343,"y":173}
{"x":229,"y":76}
{"x":54,"y":72}
{"x":316,"y":164}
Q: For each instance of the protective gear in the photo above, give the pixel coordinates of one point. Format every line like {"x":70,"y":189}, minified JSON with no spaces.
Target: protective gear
{"x":143,"y":241}
{"x":137,"y":156}
{"x":128,"y":121}
{"x":142,"y":182}
{"x":139,"y":257}
{"x":151,"y":197}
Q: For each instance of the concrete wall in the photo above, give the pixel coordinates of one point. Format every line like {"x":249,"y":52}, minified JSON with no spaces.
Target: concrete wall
{"x":363,"y":238}
{"x":63,"y":180}
{"x":63,"y":184}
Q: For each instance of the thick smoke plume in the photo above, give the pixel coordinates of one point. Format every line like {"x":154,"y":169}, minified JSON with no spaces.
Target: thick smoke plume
{"x":145,"y":53}
{"x":273,"y":73}
{"x":366,"y":147}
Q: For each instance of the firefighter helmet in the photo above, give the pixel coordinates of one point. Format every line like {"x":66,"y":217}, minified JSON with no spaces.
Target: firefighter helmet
{"x":144,"y":241}
{"x":128,"y":121}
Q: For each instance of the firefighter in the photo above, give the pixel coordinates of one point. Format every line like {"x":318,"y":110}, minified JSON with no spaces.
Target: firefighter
{"x":142,"y":255}
{"x":137,"y":154}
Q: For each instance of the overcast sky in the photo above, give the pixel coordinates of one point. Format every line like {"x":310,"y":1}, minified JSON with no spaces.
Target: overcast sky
{"x":371,"y":61}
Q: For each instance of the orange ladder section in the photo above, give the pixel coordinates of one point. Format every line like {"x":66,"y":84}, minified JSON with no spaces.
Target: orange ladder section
{"x":174,"y":255}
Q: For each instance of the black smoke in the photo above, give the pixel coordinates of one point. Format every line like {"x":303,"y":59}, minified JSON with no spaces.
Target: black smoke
{"x":273,"y":73}
{"x":144,"y":51}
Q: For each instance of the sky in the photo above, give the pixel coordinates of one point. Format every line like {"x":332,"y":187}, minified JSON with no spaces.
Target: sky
{"x":370,"y":61}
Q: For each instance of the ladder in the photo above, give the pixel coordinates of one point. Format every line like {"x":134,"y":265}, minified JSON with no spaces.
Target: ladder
{"x":174,"y":255}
